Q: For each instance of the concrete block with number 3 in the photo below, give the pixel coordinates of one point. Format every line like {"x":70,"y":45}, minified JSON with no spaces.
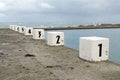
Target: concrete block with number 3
{"x":38,"y":34}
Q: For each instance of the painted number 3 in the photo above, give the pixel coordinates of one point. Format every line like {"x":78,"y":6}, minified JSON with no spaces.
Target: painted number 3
{"x":39,"y":34}
{"x":58,"y":39}
{"x":100,"y":50}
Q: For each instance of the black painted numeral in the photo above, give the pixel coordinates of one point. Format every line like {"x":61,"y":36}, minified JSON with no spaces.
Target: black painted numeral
{"x":39,"y":34}
{"x":29,"y":31}
{"x":18,"y":28}
{"x":100,"y":50}
{"x":22,"y":29}
{"x":58,"y":39}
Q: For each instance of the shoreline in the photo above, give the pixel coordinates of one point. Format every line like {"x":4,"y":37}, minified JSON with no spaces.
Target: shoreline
{"x":77,"y":28}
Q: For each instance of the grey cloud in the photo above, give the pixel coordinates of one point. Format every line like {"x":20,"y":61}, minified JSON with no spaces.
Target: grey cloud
{"x":64,"y":10}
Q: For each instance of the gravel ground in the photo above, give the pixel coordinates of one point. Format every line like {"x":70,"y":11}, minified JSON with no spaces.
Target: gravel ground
{"x":22,"y":58}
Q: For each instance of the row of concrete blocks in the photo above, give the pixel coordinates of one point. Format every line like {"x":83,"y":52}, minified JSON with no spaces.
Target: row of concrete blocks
{"x":90,"y":48}
{"x":53,"y":38}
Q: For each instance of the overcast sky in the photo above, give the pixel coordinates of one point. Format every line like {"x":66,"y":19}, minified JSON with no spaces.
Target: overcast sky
{"x":71,"y":11}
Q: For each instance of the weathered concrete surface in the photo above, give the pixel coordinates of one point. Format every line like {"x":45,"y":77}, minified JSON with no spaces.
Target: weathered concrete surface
{"x":49,"y":63}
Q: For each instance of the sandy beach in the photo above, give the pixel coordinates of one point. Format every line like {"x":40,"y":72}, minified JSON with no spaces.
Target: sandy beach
{"x":22,"y":58}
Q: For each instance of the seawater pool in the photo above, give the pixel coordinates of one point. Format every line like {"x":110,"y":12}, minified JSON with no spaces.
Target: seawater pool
{"x":72,"y":39}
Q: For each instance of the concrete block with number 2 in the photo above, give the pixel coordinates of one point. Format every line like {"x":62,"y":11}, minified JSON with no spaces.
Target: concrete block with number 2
{"x":55,"y":38}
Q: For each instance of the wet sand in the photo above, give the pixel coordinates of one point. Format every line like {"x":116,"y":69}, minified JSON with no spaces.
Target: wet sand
{"x":22,"y":58}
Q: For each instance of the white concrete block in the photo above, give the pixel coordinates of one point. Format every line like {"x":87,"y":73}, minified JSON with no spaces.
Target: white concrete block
{"x":13,"y":27}
{"x":94,"y":48}
{"x":16,"y":28}
{"x":10,"y":27}
{"x":38,"y":34}
{"x":55,"y":38}
{"x":28,"y":31}
{"x":21,"y":29}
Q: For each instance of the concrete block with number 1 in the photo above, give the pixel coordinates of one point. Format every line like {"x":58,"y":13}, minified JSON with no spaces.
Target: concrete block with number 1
{"x":94,"y":48}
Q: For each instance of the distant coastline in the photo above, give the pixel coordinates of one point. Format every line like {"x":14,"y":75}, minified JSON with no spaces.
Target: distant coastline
{"x":101,"y":26}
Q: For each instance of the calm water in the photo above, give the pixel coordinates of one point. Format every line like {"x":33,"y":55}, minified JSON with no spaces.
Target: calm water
{"x":72,"y":39}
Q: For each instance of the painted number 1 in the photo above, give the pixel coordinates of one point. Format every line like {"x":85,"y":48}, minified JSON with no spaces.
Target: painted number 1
{"x":100,"y":50}
{"x":58,"y":39}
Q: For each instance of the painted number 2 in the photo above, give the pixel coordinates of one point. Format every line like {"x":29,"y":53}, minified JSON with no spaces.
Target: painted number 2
{"x":100,"y":50}
{"x":58,"y":39}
